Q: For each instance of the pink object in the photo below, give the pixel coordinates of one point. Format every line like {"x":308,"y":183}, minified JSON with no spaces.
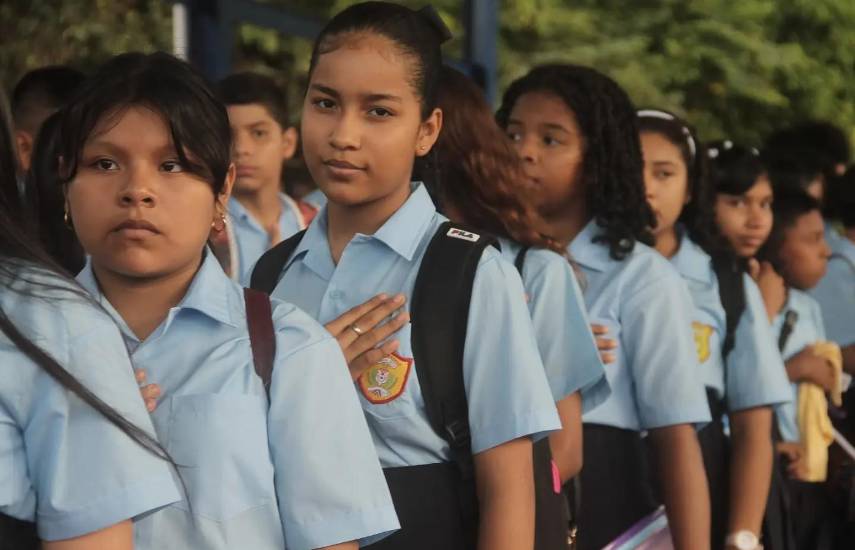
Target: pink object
{"x":556,"y":479}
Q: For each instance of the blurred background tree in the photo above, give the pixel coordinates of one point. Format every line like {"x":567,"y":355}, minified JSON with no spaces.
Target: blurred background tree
{"x":735,"y":69}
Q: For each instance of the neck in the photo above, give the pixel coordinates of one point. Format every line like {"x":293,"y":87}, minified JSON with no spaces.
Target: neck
{"x":849,"y":233}
{"x":565,"y":225}
{"x":667,"y":242}
{"x":262,"y":204}
{"x":144,"y":303}
{"x":345,"y":221}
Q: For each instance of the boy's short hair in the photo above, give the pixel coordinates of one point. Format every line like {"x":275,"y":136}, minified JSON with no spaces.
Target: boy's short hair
{"x":788,"y":206}
{"x":841,"y":194}
{"x":42,"y":91}
{"x":252,"y":88}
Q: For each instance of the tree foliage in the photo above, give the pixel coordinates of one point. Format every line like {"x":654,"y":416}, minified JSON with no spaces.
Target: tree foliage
{"x":735,"y":69}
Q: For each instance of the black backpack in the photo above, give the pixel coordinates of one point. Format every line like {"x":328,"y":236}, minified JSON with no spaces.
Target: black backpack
{"x":440,"y":311}
{"x":731,"y":292}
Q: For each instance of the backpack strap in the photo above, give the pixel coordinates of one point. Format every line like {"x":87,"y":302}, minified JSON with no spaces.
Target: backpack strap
{"x":731,"y":292}
{"x":519,"y":261}
{"x":440,"y":312}
{"x":262,"y":337}
{"x":268,"y":269}
{"x":790,"y":319}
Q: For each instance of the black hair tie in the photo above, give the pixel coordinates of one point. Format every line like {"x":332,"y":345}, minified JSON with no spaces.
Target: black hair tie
{"x":431,"y":16}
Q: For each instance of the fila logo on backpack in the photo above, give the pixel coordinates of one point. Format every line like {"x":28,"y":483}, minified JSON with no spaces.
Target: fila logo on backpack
{"x":458,"y":233}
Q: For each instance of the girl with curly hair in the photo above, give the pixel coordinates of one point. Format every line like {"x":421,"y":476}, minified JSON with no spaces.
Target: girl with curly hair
{"x":576,"y":132}
{"x":477,"y":182}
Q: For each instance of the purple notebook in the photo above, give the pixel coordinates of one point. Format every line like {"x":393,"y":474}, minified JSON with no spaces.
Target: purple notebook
{"x":649,"y":533}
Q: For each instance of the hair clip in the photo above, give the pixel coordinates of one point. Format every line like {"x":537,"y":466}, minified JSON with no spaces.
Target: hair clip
{"x":663,"y":115}
{"x":433,"y":18}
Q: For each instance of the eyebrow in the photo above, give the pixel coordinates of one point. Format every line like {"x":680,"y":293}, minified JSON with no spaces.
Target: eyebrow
{"x":664,"y":162}
{"x":114,"y":149}
{"x":367,"y":97}
{"x":548,"y":125}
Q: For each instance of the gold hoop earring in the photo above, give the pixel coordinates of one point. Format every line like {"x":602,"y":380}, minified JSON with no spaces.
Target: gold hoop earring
{"x":67,"y":218}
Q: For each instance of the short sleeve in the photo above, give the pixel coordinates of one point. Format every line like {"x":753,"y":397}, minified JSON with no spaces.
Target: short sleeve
{"x":562,"y":329}
{"x":329,"y":483}
{"x":86,"y":472}
{"x":656,"y":321}
{"x":836,"y":296}
{"x":506,"y":385}
{"x":755,"y":371}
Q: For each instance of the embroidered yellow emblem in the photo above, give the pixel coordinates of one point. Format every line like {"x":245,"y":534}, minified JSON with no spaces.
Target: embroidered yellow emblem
{"x":702,"y":340}
{"x":385,"y":380}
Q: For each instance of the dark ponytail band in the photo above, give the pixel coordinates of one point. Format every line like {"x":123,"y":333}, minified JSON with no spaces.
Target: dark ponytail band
{"x":432,"y":18}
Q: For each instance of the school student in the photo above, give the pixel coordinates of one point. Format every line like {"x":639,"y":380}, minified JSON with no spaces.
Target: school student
{"x":77,"y":453}
{"x":257,"y":407}
{"x":460,"y":470}
{"x":799,"y":252}
{"x":260,"y":214}
{"x":740,"y":363}
{"x":577,"y":135}
{"x":479,"y":181}
{"x":743,"y":212}
{"x":835,"y":292}
{"x":36,"y":96}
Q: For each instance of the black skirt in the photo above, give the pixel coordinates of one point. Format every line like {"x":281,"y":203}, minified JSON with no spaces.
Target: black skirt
{"x":715,"y":448}
{"x":615,"y":486}
{"x":436,"y":508}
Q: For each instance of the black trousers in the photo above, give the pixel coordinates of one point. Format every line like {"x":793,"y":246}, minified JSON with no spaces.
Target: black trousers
{"x":615,"y":485}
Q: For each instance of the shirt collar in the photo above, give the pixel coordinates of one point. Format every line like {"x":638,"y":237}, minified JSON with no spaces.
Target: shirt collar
{"x":586,"y":252}
{"x":211,"y":292}
{"x":239,"y":211}
{"x":403,"y":232}
{"x":691,"y":261}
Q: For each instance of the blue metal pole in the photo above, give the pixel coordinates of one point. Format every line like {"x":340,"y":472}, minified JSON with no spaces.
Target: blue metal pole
{"x":481,"y":18}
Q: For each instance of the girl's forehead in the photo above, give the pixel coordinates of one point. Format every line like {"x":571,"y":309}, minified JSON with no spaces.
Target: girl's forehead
{"x":364,"y":63}
{"x":136,"y":126}
{"x":539,"y":105}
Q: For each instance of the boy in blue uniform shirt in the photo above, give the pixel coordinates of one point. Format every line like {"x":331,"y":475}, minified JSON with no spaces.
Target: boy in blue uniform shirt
{"x":261,"y":215}
{"x":798,"y":251}
{"x":836,"y":291}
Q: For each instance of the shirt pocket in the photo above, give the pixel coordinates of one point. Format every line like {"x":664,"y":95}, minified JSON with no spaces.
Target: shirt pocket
{"x":387,"y":390}
{"x":219,"y":442}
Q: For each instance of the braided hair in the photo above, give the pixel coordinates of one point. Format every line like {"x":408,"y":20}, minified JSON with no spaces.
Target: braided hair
{"x":612,"y":166}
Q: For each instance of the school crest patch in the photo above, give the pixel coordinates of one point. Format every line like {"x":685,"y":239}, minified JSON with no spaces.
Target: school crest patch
{"x":385,"y":380}
{"x":702,"y":340}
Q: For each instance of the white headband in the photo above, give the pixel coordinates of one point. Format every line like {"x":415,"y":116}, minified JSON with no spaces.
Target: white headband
{"x":662,"y":115}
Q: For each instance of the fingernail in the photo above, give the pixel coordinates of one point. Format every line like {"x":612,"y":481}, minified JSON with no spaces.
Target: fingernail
{"x":383,"y":296}
{"x":405,"y":316}
{"x":399,"y":299}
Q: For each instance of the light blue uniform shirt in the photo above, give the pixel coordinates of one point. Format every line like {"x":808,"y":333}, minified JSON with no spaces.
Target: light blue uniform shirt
{"x":316,"y":198}
{"x":655,"y":378}
{"x":754,"y":371}
{"x":836,"y":291}
{"x":557,"y":307}
{"x":62,"y":463}
{"x":252,"y":239}
{"x":807,"y":330}
{"x":506,"y":388}
{"x":309,"y":452}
